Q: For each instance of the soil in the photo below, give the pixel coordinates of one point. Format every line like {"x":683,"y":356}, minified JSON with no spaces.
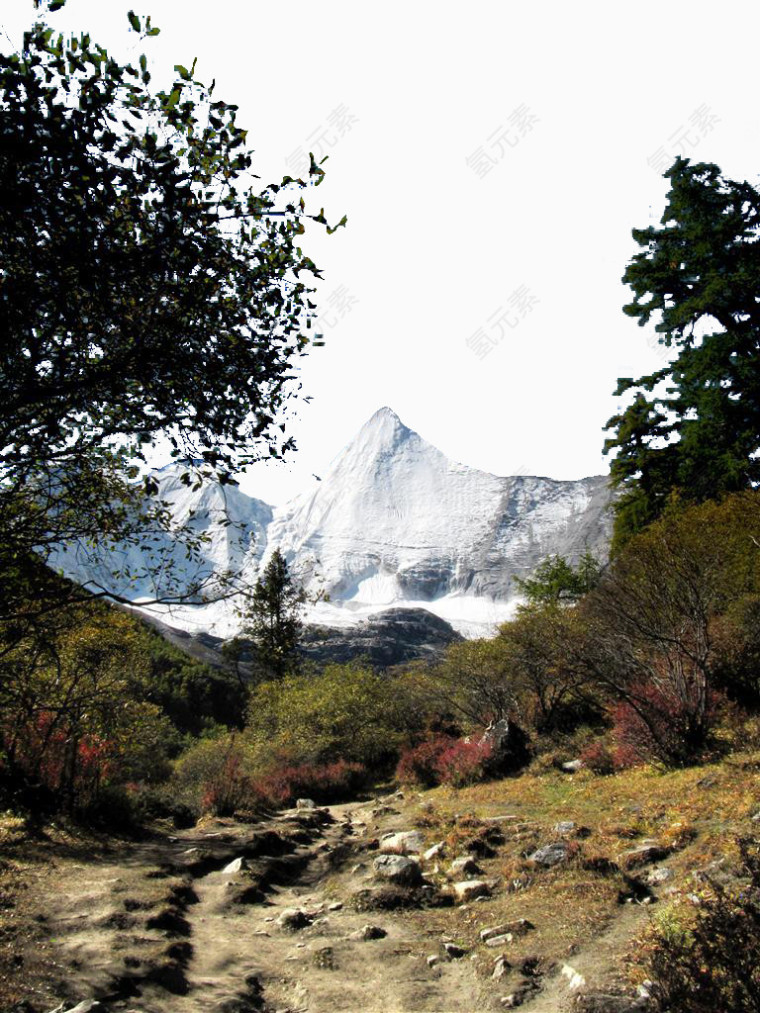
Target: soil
{"x":161,"y":926}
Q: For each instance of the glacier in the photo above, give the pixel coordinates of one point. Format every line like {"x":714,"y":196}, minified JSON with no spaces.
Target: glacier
{"x":393,"y":523}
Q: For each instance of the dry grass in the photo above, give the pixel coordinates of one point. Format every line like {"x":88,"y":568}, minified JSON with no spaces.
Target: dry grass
{"x":696,"y":814}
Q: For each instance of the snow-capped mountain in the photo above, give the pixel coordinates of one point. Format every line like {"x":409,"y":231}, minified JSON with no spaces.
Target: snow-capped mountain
{"x":393,"y":522}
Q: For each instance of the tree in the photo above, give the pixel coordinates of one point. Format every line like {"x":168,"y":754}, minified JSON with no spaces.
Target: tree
{"x":657,"y":640}
{"x":693,"y":427}
{"x":273,"y":620}
{"x":556,"y":581}
{"x":147,"y":287}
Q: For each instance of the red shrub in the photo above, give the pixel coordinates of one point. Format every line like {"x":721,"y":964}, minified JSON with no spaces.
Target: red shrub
{"x":419,"y":764}
{"x":660,"y":724}
{"x":229,"y":789}
{"x":445,"y":760}
{"x":598,"y":757}
{"x":331,"y":782}
{"x":464,"y":763}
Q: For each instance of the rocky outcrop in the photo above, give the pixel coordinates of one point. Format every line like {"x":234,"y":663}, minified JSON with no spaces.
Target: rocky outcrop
{"x":392,"y":637}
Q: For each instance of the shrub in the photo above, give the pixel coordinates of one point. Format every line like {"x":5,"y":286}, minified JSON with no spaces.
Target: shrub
{"x":464,"y":763}
{"x":598,"y":757}
{"x":657,"y":723}
{"x":419,"y":764}
{"x":706,"y":958}
{"x":325,"y":783}
{"x":445,"y":760}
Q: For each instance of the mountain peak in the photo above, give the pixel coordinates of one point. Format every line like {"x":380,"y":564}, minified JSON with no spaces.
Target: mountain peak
{"x":382,"y":429}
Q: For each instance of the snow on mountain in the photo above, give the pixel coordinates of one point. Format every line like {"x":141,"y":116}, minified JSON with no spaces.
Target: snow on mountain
{"x":232,"y":527}
{"x":393,"y":522}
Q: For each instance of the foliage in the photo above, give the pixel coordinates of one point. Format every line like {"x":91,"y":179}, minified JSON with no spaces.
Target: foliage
{"x":419,"y":764}
{"x":707,"y":957}
{"x":651,"y":621}
{"x":148,"y":288}
{"x":557,"y":581}
{"x":693,"y":426}
{"x":68,"y":720}
{"x":443,"y":759}
{"x":325,"y":783}
{"x":472,"y":682}
{"x":344,"y":712}
{"x":545,"y":649}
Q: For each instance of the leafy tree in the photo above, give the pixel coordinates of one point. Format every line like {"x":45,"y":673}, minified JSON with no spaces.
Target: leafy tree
{"x":693,"y":426}
{"x":657,"y":640}
{"x":147,"y":287}
{"x":557,"y":581}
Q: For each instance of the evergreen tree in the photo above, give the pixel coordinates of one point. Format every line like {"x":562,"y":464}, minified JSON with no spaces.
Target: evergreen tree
{"x":274,"y":620}
{"x":556,"y":581}
{"x":692,"y":430}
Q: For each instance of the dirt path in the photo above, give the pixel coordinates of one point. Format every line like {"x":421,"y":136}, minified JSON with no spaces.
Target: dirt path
{"x":165,"y":929}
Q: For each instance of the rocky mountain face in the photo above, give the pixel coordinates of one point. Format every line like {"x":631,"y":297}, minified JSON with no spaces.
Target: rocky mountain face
{"x":393,"y":524}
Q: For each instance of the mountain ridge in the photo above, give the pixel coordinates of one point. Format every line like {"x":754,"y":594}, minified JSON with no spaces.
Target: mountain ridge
{"x":392,"y":523}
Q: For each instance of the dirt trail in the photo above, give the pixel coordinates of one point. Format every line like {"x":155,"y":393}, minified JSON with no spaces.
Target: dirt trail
{"x":164,"y":929}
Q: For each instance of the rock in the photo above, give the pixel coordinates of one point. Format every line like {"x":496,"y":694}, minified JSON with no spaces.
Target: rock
{"x":501,"y":967}
{"x":406,"y":842}
{"x":335,"y":906}
{"x":550,"y":854}
{"x":564,"y":827}
{"x":502,"y":940}
{"x":470,"y":889}
{"x":660,"y":875}
{"x":453,"y":951}
{"x":572,"y":766}
{"x":574,"y":979}
{"x":509,"y":745}
{"x":293,"y":918}
{"x":511,"y":1001}
{"x":391,"y":637}
{"x":644,"y":855}
{"x":518,"y":928}
{"x":236,"y":865}
{"x":398,"y":869}
{"x":466,"y":866}
{"x":86,"y":1006}
{"x":306,"y":803}
{"x":436,"y":851}
{"x":433,"y":959}
{"x":367,"y":932}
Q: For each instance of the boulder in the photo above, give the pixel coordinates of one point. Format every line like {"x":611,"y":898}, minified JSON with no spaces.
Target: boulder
{"x":306,"y":803}
{"x":367,"y":932}
{"x":564,"y":827}
{"x":406,"y":842}
{"x":661,"y":875}
{"x":502,"y":940}
{"x":645,"y":854}
{"x":509,"y":746}
{"x":453,"y":951}
{"x":236,"y":865}
{"x":575,"y":980}
{"x":470,"y":889}
{"x":436,"y":851}
{"x":501,"y":968}
{"x":466,"y":866}
{"x":550,"y":854}
{"x":293,"y":918}
{"x":572,"y":766}
{"x":398,"y":869}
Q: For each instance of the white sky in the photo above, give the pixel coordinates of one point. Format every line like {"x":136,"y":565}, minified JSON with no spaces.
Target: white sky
{"x":579,"y":107}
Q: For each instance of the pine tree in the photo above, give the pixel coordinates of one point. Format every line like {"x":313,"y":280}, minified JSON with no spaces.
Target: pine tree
{"x":692,"y":429}
{"x":274,"y":620}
